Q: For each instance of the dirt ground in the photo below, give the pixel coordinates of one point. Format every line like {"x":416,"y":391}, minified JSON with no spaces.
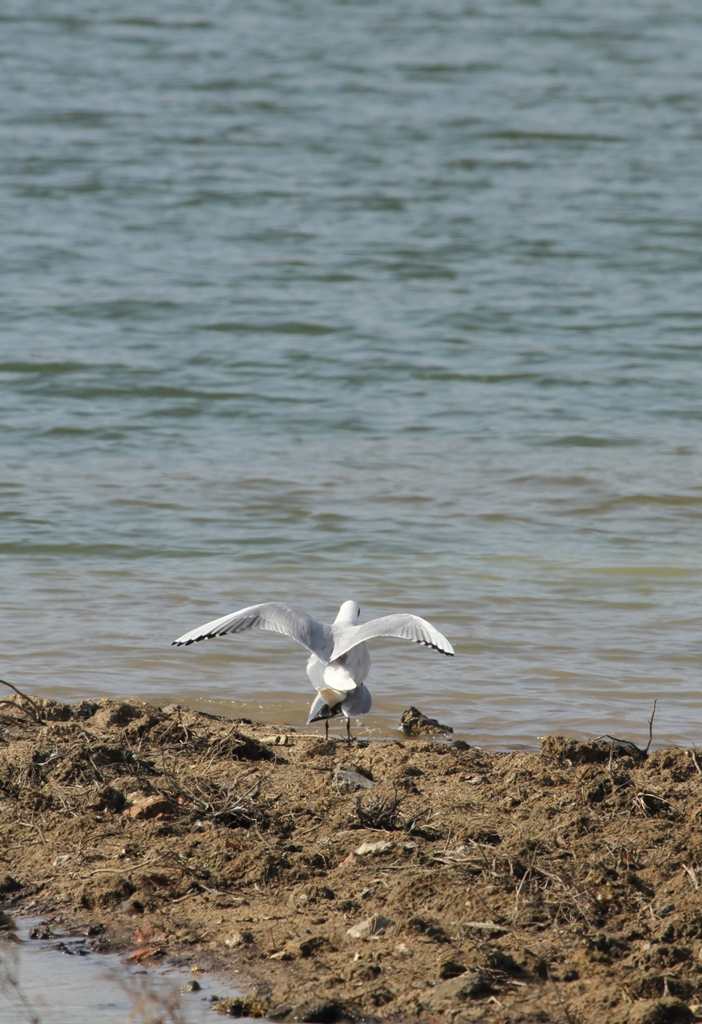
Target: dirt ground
{"x":416,"y":880}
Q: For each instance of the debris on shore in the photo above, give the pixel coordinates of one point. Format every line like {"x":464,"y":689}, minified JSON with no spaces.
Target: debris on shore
{"x":415,"y":723}
{"x":415,"y":880}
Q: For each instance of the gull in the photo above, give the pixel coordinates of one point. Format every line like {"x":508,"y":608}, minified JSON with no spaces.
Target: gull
{"x":339,"y":660}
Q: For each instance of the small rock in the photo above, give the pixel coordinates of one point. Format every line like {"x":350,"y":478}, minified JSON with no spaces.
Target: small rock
{"x":348,"y":780}
{"x":146,"y":807}
{"x":348,"y":861}
{"x":414,"y":723}
{"x":280,"y":740}
{"x":239,"y":939}
{"x":6,"y":922}
{"x":373,"y":849}
{"x":372,"y":926}
{"x":456,"y":990}
{"x":192,"y":986}
{"x":308,"y":947}
{"x":9,"y":884}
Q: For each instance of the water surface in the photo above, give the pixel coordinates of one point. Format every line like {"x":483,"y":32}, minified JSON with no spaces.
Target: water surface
{"x":316,"y":301}
{"x":59,"y":981}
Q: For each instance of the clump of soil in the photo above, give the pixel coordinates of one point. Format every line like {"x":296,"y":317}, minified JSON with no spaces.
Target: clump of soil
{"x":406,"y":881}
{"x":414,"y":722}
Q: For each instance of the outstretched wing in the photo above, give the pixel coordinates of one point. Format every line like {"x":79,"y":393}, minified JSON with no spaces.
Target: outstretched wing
{"x":405,"y":626}
{"x":274,"y":616}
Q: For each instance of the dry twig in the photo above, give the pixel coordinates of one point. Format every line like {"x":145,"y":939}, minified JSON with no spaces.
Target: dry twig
{"x":35,"y":710}
{"x":650,"y":727}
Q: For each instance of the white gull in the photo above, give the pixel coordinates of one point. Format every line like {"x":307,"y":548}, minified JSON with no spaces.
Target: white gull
{"x":339,"y":660}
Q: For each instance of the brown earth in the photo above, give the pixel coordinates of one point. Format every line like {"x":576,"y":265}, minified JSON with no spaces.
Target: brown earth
{"x":407,"y":881}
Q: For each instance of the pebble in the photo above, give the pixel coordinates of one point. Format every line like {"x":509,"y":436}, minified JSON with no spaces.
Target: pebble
{"x":150,"y":807}
{"x":348,"y":780}
{"x":456,"y":990}
{"x":238,"y":939}
{"x":372,"y":926}
{"x":373,"y":849}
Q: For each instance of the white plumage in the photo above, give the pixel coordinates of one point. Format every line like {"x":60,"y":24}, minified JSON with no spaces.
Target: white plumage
{"x":339,"y":661}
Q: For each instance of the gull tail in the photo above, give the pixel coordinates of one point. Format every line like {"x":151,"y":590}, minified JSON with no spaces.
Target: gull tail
{"x":320,"y":710}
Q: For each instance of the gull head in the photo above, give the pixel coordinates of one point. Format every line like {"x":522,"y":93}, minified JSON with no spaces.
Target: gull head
{"x":349,"y":614}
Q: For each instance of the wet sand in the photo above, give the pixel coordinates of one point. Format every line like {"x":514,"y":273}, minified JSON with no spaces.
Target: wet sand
{"x":415,"y":880}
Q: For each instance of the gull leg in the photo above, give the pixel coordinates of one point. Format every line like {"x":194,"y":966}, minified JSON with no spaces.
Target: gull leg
{"x":326,"y":728}
{"x":348,"y":730}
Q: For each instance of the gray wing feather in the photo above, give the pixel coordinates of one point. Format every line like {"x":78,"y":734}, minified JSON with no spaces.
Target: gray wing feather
{"x":403,"y":625}
{"x":358,"y":703}
{"x":274,"y":616}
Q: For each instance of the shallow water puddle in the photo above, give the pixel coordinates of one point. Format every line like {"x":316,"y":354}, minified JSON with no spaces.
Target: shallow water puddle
{"x":58,"y":980}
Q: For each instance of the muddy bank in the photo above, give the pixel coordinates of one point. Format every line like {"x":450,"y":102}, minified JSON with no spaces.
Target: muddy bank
{"x":414,"y":880}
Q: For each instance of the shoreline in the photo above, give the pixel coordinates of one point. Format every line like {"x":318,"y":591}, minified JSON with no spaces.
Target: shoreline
{"x":398,"y":880}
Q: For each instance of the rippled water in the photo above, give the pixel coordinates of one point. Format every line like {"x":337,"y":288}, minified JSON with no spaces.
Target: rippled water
{"x":394,"y":302}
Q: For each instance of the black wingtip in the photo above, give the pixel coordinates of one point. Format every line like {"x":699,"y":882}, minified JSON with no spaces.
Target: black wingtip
{"x":434,"y":647}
